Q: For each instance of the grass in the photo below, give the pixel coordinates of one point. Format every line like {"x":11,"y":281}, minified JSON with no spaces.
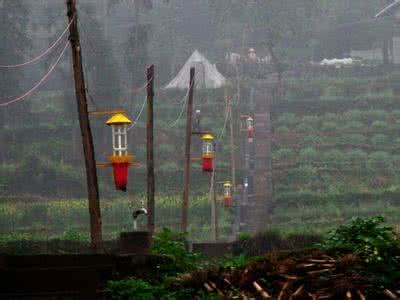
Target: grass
{"x":43,"y":220}
{"x":54,"y":218}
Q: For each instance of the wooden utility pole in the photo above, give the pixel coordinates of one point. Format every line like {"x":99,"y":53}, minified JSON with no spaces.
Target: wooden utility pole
{"x":188,"y":142}
{"x":214,"y":211}
{"x":232,"y":142}
{"x":150,"y":150}
{"x":87,"y":139}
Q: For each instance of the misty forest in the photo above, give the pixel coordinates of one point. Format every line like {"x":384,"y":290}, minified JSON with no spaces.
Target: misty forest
{"x":200,"y":149}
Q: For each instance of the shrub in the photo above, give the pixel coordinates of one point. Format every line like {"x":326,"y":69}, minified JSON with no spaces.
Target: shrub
{"x":308,"y":155}
{"x":379,"y":139}
{"x":377,"y":115}
{"x":354,"y":125}
{"x":74,"y":235}
{"x":132,"y":289}
{"x":284,"y":154}
{"x":356,"y":156}
{"x":173,"y":244}
{"x":379,"y":125}
{"x":311,"y":120}
{"x":288,"y":119}
{"x":329,"y":126}
{"x":334,"y":157}
{"x":366,"y":238}
{"x":356,"y":139}
{"x":379,"y":159}
{"x":304,"y":128}
{"x":282,"y":129}
{"x":353,"y":115}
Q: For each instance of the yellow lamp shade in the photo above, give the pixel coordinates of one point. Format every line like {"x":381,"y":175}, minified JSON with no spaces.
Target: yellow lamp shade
{"x":119,"y":119}
{"x":207,"y":137}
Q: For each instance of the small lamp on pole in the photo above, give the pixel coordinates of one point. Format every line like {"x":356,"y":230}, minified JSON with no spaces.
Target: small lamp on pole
{"x":120,"y":159}
{"x":208,"y":152}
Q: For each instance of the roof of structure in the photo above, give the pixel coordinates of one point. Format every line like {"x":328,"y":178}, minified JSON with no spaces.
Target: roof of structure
{"x":207,"y":75}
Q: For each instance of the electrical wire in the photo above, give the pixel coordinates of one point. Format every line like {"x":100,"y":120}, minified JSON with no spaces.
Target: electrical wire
{"x":47,"y":51}
{"x":39,"y":83}
{"x":139,"y":114}
{"x":227,"y":114}
{"x":183,"y":102}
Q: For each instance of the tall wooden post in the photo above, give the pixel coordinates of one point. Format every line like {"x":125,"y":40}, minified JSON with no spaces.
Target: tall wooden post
{"x":232,"y":142}
{"x":150,"y":150}
{"x":87,"y":139}
{"x":214,"y":209}
{"x":188,"y":142}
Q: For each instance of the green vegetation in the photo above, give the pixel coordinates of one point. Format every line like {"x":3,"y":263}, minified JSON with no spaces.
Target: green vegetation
{"x":173,"y":245}
{"x":366,"y":238}
{"x":42,"y":219}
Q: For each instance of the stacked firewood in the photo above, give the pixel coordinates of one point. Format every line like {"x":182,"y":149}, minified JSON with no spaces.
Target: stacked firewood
{"x":313,"y":276}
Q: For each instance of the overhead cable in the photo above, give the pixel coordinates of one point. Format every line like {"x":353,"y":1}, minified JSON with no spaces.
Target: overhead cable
{"x":135,"y":121}
{"x":41,"y":81}
{"x":47,"y":51}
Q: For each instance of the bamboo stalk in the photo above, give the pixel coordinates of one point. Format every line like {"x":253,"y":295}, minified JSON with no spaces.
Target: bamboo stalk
{"x":298,"y":292}
{"x":390,"y":294}
{"x":283,"y":290}
{"x":320,"y":271}
{"x":264,"y":294}
{"x":208,"y":287}
{"x":348,"y":295}
{"x":362,"y":297}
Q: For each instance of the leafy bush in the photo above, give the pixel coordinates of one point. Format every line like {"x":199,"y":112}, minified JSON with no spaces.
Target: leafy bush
{"x":136,"y":289}
{"x":304,"y":128}
{"x":366,"y":238}
{"x":173,"y":244}
{"x":354,"y":125}
{"x":308,"y":154}
{"x":329,"y":126}
{"x":356,"y":156}
{"x":284,"y":154}
{"x":282,"y":129}
{"x":379,"y":159}
{"x":235,"y":262}
{"x":334,"y":157}
{"x":379,"y":139}
{"x":311,"y":120}
{"x":356,"y":139}
{"x":74,"y":235}
{"x":132,"y":289}
{"x":288,"y":119}
{"x":379,"y":125}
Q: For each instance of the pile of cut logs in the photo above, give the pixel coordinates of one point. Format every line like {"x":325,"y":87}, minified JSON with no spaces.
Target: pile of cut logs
{"x":312,"y":276}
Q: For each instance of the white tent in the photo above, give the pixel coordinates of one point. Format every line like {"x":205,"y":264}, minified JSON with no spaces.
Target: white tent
{"x":207,"y":75}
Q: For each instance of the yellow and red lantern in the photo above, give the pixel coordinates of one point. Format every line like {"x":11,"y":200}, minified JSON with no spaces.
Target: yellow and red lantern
{"x":208,"y":152}
{"x":120,"y":159}
{"x":250,"y":129}
{"x":228,"y":200}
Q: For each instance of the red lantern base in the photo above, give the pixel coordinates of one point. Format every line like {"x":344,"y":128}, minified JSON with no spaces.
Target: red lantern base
{"x":121,"y":175}
{"x":228,"y":201}
{"x":251,"y":132}
{"x":208,"y":165}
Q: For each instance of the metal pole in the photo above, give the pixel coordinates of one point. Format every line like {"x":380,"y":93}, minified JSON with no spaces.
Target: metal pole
{"x":150,"y":150}
{"x":84,"y":122}
{"x":188,"y":142}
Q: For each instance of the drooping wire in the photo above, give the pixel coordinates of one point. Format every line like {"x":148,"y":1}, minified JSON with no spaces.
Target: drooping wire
{"x":47,"y":51}
{"x":139,"y":114}
{"x":183,"y":103}
{"x":227,"y":115}
{"x":39,"y":83}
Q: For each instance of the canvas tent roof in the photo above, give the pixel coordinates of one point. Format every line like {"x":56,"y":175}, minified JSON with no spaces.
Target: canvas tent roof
{"x":207,"y":75}
{"x":388,"y":9}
